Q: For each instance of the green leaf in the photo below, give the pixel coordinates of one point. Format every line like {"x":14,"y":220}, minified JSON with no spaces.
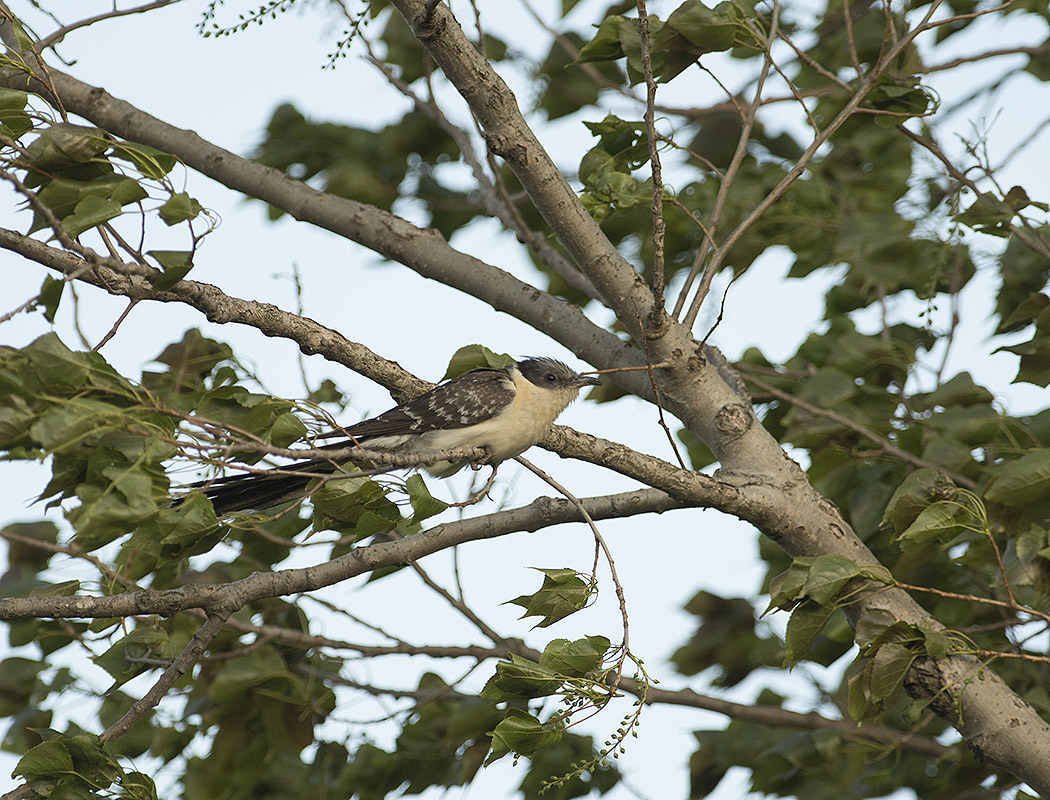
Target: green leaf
{"x":45,"y":760}
{"x":805,"y":624}
{"x":858,"y":704}
{"x":988,"y":214}
{"x":1022,"y":482}
{"x":885,"y":673}
{"x":175,"y":263}
{"x":475,"y":356}
{"x":287,"y":428}
{"x":138,"y":652}
{"x":126,"y":190}
{"x":149,"y":161}
{"x":827,"y":575}
{"x":239,"y":675}
{"x":937,"y":644}
{"x":575,"y":659}
{"x":901,"y":97}
{"x":179,"y":208}
{"x":522,"y":734}
{"x":13,"y":119}
{"x":959,"y":391}
{"x":424,"y":504}
{"x":940,"y":520}
{"x":19,"y":554}
{"x":518,"y":678}
{"x":65,"y":144}
{"x":702,"y":29}
{"x":785,"y":590}
{"x":605,"y":46}
{"x":872,"y":627}
{"x":913,"y":495}
{"x":1024,"y":272}
{"x":18,"y":683}
{"x":63,"y":589}
{"x":50,"y":296}
{"x":563,"y":593}
{"x":138,"y":786}
{"x":89,"y":213}
{"x":1034,"y":308}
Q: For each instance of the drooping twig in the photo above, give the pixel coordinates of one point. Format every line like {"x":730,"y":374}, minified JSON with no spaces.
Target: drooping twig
{"x":600,"y":540}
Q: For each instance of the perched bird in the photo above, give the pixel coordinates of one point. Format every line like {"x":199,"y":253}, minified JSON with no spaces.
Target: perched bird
{"x":505,"y":411}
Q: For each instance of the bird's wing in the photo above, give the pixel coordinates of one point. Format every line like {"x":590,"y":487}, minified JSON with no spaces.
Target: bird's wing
{"x":469,"y":399}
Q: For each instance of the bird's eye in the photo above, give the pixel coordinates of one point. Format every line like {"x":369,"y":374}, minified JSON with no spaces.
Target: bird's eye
{"x":549,"y":377}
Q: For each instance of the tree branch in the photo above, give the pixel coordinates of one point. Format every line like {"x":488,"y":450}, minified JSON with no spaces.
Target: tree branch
{"x":135,"y":281}
{"x":423,"y":250}
{"x":541,"y":513}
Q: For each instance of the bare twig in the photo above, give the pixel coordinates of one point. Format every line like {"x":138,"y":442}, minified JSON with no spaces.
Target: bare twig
{"x":57,"y":36}
{"x":113,"y":331}
{"x":458,"y":604}
{"x":1024,"y":236}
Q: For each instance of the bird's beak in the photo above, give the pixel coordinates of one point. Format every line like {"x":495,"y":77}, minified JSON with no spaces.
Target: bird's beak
{"x":588,"y":380}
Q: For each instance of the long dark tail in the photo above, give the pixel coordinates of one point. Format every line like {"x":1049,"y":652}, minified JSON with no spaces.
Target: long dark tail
{"x":262,"y":490}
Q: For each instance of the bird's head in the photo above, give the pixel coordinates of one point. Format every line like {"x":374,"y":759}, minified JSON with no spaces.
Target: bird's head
{"x":551,"y":374}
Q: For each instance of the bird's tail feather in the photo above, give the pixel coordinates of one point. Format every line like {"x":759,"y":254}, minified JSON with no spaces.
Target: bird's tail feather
{"x":261,"y":490}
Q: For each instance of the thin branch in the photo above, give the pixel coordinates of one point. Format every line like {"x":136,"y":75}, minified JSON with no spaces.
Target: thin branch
{"x":135,"y":282}
{"x":748,"y":123}
{"x":764,"y":715}
{"x":1024,"y":236}
{"x":621,"y":598}
{"x":654,"y":161}
{"x":71,"y":550}
{"x":57,"y":36}
{"x":185,"y":660}
{"x":969,"y":598}
{"x":885,"y":444}
{"x":497,"y":201}
{"x":659,"y":404}
{"x":458,"y":604}
{"x":782,"y":718}
{"x":1038,"y":50}
{"x":113,"y":331}
{"x":847,"y":16}
{"x":756,"y":213}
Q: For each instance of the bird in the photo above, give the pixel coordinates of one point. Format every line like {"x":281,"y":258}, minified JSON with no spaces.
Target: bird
{"x":504,"y":411}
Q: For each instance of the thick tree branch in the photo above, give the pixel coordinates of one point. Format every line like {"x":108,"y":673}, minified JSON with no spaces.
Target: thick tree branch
{"x":423,"y":250}
{"x":541,"y":513}
{"x":509,"y":136}
{"x":135,"y":281}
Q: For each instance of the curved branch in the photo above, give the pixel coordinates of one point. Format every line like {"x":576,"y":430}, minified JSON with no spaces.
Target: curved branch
{"x":135,"y":281}
{"x":541,"y":513}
